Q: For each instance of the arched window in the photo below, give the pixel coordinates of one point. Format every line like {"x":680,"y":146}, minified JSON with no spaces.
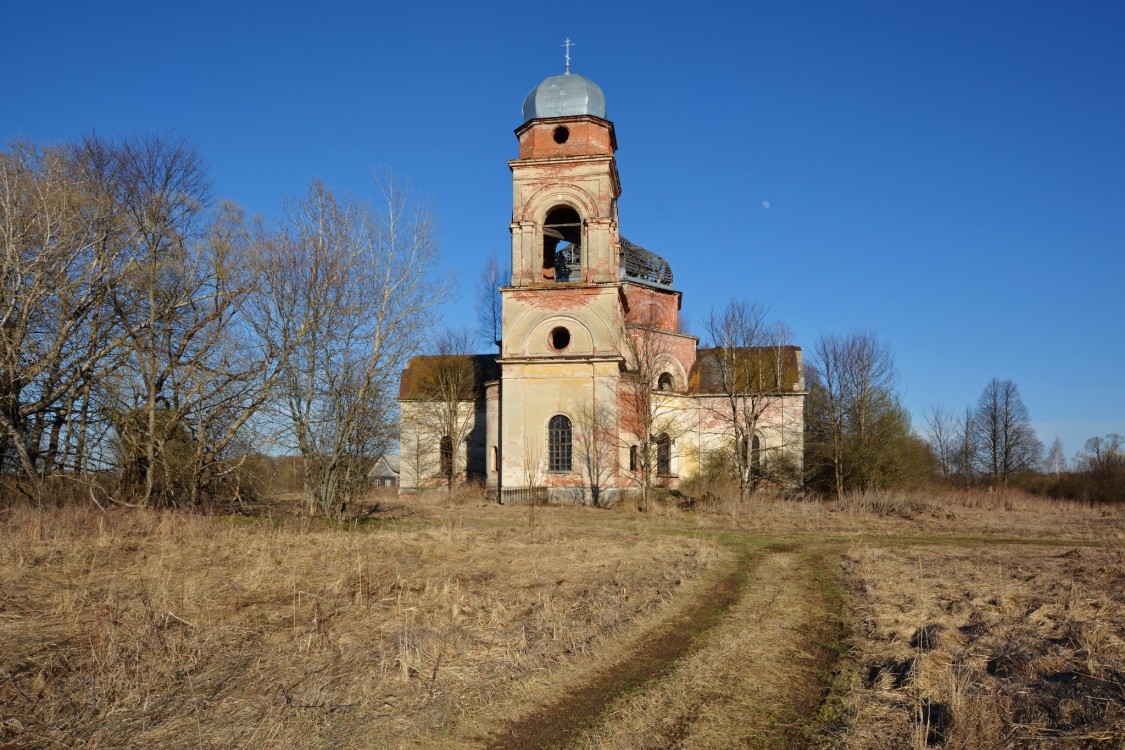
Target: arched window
{"x":446,"y":456}
{"x":562,"y":245}
{"x":634,"y":458}
{"x":558,"y":444}
{"x":756,"y":456}
{"x":665,"y":382}
{"x":664,"y":455}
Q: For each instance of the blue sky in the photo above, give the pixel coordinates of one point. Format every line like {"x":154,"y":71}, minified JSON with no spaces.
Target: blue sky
{"x":948,"y":175}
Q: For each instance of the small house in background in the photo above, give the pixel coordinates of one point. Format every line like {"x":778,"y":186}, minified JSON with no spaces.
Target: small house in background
{"x":385,"y":472}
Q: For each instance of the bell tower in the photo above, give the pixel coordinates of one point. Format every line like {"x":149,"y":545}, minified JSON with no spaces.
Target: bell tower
{"x":563,"y":316}
{"x":565,"y":187}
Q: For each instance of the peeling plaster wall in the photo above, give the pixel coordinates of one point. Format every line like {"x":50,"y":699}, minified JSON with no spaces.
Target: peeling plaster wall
{"x":420,"y":446}
{"x":492,"y":455}
{"x":780,"y":428}
{"x":535,"y":391}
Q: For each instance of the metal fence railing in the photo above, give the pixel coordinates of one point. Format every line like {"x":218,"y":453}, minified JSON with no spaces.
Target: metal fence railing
{"x":524,"y":496}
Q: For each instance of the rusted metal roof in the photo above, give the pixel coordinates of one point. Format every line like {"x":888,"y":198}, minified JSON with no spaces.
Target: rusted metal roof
{"x":761,"y":369}
{"x":420,"y":369}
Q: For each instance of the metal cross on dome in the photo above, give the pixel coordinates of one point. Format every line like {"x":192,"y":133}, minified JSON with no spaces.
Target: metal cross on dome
{"x":568,"y":44}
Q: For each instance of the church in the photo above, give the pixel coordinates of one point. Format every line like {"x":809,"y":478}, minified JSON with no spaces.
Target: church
{"x":596,"y":392}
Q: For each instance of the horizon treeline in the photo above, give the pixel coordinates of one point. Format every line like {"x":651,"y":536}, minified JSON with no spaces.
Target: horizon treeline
{"x":157,"y":346}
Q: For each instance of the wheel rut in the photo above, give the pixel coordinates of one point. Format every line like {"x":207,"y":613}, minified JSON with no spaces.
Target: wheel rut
{"x":743,"y":665}
{"x":553,"y":724}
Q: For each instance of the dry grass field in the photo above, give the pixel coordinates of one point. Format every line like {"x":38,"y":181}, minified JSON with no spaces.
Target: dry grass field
{"x":967,"y":621}
{"x":988,"y":646}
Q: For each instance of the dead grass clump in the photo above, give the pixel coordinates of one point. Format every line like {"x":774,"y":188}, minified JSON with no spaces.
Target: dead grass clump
{"x":146,"y":629}
{"x":899,"y":503}
{"x":1015,"y":644}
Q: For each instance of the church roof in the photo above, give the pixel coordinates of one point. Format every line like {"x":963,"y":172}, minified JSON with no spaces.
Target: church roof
{"x":421,"y":369}
{"x":770,"y":366}
{"x":644,"y":266}
{"x":564,"y":95}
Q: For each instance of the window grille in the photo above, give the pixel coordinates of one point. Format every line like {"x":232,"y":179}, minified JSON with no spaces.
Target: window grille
{"x":558,"y":444}
{"x":664,"y":455}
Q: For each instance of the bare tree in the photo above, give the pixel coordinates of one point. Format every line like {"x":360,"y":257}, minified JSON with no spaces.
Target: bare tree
{"x":346,"y":298}
{"x":45,"y":297}
{"x":533,"y":470}
{"x":1101,"y":469}
{"x":489,"y":302}
{"x":650,"y":412}
{"x":126,"y":334}
{"x":447,"y":396}
{"x":171,"y":304}
{"x":419,"y":456}
{"x":66,"y":244}
{"x":127,"y":317}
{"x":597,"y":441}
{"x":748,"y":357}
{"x":1004,"y":439}
{"x":861,"y":432}
{"x":100,"y":172}
{"x":1102,"y":455}
{"x":943,"y":430}
{"x":232,"y":375}
{"x":965,"y":451}
{"x":34,"y":211}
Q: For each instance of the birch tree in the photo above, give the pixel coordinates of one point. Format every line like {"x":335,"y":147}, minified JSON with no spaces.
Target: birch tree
{"x":1055,"y":462}
{"x":943,"y":439}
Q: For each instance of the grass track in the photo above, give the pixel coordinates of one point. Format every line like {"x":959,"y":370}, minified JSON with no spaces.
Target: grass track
{"x":746,"y":664}
{"x":784,"y":591}
{"x":553,"y":724}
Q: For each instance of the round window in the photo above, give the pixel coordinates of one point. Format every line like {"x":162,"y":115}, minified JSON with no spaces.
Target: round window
{"x":560,"y":338}
{"x":562,"y":133}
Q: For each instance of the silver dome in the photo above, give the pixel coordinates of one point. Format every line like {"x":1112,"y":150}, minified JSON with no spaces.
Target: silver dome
{"x":562,"y":96}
